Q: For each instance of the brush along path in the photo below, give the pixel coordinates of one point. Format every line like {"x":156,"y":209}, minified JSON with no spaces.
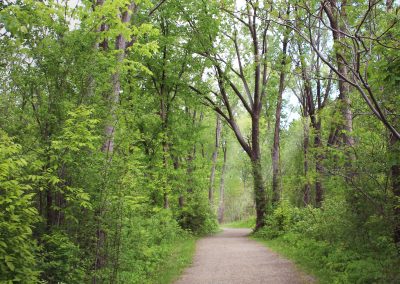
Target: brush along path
{"x":231,"y":257}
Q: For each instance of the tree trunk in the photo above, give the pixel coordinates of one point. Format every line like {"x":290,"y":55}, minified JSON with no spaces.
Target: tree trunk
{"x":275,"y":148}
{"x":395,"y":174}
{"x":337,"y":16}
{"x":120,"y":45}
{"x":190,"y":158}
{"x":221,"y":207}
{"x":259,"y":187}
{"x":306,"y":142}
{"x":176,"y":168}
{"x":344,"y":90}
{"x":49,"y":209}
{"x":389,"y":5}
{"x":165,"y":147}
{"x":108,"y":145}
{"x":214,"y":159}
{"x":319,"y":157}
{"x":259,"y":193}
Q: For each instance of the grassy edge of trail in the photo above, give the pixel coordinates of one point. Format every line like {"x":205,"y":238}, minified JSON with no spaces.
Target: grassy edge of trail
{"x":297,"y":257}
{"x":181,"y":256}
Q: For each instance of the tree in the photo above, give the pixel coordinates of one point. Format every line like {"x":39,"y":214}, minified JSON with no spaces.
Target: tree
{"x":275,"y":148}
{"x":245,"y":30}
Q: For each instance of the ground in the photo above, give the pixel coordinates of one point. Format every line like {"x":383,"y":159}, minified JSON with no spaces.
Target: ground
{"x":231,"y":257}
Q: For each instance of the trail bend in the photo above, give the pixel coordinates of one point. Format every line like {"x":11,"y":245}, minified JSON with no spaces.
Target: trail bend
{"x":231,"y":257}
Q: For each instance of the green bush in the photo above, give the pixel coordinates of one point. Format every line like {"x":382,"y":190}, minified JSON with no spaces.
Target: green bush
{"x":17,"y":216}
{"x":60,"y":260}
{"x":328,"y":242}
{"x":280,"y":221}
{"x":198,"y":219}
{"x":146,"y":244}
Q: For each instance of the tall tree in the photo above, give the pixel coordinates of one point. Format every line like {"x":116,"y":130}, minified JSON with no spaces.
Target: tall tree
{"x":275,"y":147}
{"x":243,"y":80}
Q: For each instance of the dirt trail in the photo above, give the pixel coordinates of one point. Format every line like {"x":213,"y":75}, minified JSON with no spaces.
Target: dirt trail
{"x":231,"y":257}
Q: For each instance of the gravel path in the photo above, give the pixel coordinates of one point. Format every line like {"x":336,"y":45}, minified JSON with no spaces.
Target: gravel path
{"x":231,"y":257}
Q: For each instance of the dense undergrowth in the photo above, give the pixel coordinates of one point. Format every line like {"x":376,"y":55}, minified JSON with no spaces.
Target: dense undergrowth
{"x":328,"y":244}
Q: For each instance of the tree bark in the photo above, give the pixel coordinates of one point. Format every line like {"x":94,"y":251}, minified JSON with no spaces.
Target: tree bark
{"x":319,"y":157}
{"x":49,"y":209}
{"x":395,"y":173}
{"x":336,"y":16}
{"x":259,"y":192}
{"x":164,"y":144}
{"x":214,"y":159}
{"x":276,"y":146}
{"x":113,"y":100}
{"x":306,"y":142}
{"x":221,"y":207}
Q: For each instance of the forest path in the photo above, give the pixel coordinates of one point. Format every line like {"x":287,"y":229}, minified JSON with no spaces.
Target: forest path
{"x":231,"y":257}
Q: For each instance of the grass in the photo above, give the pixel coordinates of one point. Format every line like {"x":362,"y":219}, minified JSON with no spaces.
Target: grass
{"x":246,"y":223}
{"x":300,"y":258}
{"x":180,"y":258}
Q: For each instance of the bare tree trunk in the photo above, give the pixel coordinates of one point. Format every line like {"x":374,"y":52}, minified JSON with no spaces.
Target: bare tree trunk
{"x":337,"y":16}
{"x":307,"y":102}
{"x":120,"y":45}
{"x":259,"y":187}
{"x":165,"y":147}
{"x":176,"y":168}
{"x":214,"y":159}
{"x":344,"y":90}
{"x":319,"y":157}
{"x":259,"y":192}
{"x":306,"y":142}
{"x":181,"y":201}
{"x":389,"y":5}
{"x":49,"y":209}
{"x":395,"y":173}
{"x":221,"y":207}
{"x":190,"y":157}
{"x":275,"y":148}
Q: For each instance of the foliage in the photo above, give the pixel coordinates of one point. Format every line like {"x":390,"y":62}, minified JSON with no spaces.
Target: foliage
{"x":59,"y":259}
{"x":71,"y":211}
{"x":107,"y":133}
{"x":17,"y":216}
{"x":327,"y":244}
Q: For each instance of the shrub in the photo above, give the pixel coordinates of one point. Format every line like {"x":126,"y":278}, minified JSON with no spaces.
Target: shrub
{"x":60,"y":260}
{"x":330,"y":242}
{"x":17,"y":216}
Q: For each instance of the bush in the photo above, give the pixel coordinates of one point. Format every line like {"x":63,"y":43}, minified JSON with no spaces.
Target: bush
{"x":146,"y":243}
{"x":197,"y":218}
{"x":330,"y":243}
{"x":60,"y":260}
{"x":282,"y":219}
{"x":17,"y":216}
